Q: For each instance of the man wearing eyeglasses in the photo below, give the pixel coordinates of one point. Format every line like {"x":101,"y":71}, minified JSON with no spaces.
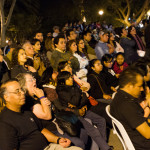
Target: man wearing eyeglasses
{"x":22,"y":130}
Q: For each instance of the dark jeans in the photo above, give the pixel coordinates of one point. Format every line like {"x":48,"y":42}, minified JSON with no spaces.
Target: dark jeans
{"x":98,"y":133}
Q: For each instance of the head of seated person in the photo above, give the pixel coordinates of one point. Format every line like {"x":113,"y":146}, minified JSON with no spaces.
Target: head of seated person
{"x":19,"y":57}
{"x":64,"y":66}
{"x":71,"y":46}
{"x":27,"y":83}
{"x":96,"y":66}
{"x":107,"y":61}
{"x":60,"y":43}
{"x":71,"y":35}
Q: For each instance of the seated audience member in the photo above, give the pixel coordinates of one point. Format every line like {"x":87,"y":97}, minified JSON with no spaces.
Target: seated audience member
{"x":128,"y":44}
{"x":37,"y":61}
{"x":90,"y":51}
{"x":22,"y":129}
{"x":42,"y":51}
{"x":99,"y":89}
{"x":71,"y":35}
{"x":41,"y":106}
{"x":60,"y":53}
{"x":65,"y":66}
{"x":119,"y":64}
{"x":71,"y":48}
{"x":19,"y":59}
{"x":126,"y":108}
{"x":83,"y":62}
{"x":111,"y":78}
{"x":56,"y":31}
{"x":49,"y":46}
{"x":114,"y":44}
{"x":71,"y":96}
{"x":102,"y":47}
{"x":81,"y":48}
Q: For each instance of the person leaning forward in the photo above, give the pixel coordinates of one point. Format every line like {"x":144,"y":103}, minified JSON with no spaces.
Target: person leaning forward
{"x":126,"y":108}
{"x":22,"y":130}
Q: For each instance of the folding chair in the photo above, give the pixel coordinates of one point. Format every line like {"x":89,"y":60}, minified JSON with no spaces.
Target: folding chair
{"x":122,"y":134}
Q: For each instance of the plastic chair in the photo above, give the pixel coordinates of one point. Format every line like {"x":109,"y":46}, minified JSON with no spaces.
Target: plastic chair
{"x":122,"y":134}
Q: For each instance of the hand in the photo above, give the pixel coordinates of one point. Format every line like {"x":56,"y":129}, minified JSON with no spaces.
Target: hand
{"x":105,"y":96}
{"x":83,"y":110}
{"x":64,"y":142}
{"x":30,"y":68}
{"x":46,"y":101}
{"x":83,"y":88}
{"x":38,"y":92}
{"x":113,"y":89}
{"x":71,"y":106}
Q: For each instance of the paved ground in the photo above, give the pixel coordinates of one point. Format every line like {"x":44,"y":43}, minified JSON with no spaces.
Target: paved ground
{"x":114,"y":141}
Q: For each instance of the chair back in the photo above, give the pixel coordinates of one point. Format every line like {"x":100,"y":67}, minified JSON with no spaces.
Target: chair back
{"x":120,"y":131}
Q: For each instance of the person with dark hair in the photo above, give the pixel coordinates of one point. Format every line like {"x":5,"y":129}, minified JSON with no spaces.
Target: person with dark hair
{"x":65,"y":66}
{"x":71,"y":48}
{"x":111,"y":78}
{"x":19,"y":59}
{"x":128,"y":45}
{"x":37,"y":61}
{"x":133,"y":35}
{"x":22,"y":129}
{"x":56,"y":31}
{"x":126,"y":108}
{"x":81,"y":48}
{"x":71,"y":96}
{"x":119,"y":64}
{"x":99,"y":89}
{"x":71,"y":35}
{"x":90,"y":51}
{"x":60,"y":53}
{"x":114,"y":44}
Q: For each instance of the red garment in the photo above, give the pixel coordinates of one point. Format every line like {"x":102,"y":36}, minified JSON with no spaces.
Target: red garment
{"x":117,"y":68}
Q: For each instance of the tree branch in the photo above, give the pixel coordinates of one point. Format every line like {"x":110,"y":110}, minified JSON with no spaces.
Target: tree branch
{"x":10,"y":13}
{"x":145,"y":8}
{"x":129,"y":9}
{"x":2,"y":12}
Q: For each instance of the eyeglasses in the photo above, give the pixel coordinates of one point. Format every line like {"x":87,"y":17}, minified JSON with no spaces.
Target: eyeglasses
{"x":31,"y":80}
{"x":18,"y":91}
{"x":81,"y":43}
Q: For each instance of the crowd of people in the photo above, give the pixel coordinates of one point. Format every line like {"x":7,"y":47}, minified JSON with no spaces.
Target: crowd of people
{"x":54,"y":92}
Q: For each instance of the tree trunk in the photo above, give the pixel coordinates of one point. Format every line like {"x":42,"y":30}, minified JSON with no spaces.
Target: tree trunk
{"x":3,"y":37}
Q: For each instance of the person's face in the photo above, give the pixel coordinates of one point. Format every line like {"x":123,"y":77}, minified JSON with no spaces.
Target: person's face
{"x":69,"y":81}
{"x":72,"y":36}
{"x":29,"y":49}
{"x":37,"y":46}
{"x":30,"y":84}
{"x":108,"y":64}
{"x":135,"y":90}
{"x":104,"y":38}
{"x":57,"y":30}
{"x":124,"y":32}
{"x":120,"y":60}
{"x":88,"y":37}
{"x":61,"y":44}
{"x":14,"y":95}
{"x":81,"y":44}
{"x":39,"y":36}
{"x":22,"y":58}
{"x":97,"y":66}
{"x":73,"y":47}
{"x":112,"y":37}
{"x":133,"y":31}
{"x":67,"y":68}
